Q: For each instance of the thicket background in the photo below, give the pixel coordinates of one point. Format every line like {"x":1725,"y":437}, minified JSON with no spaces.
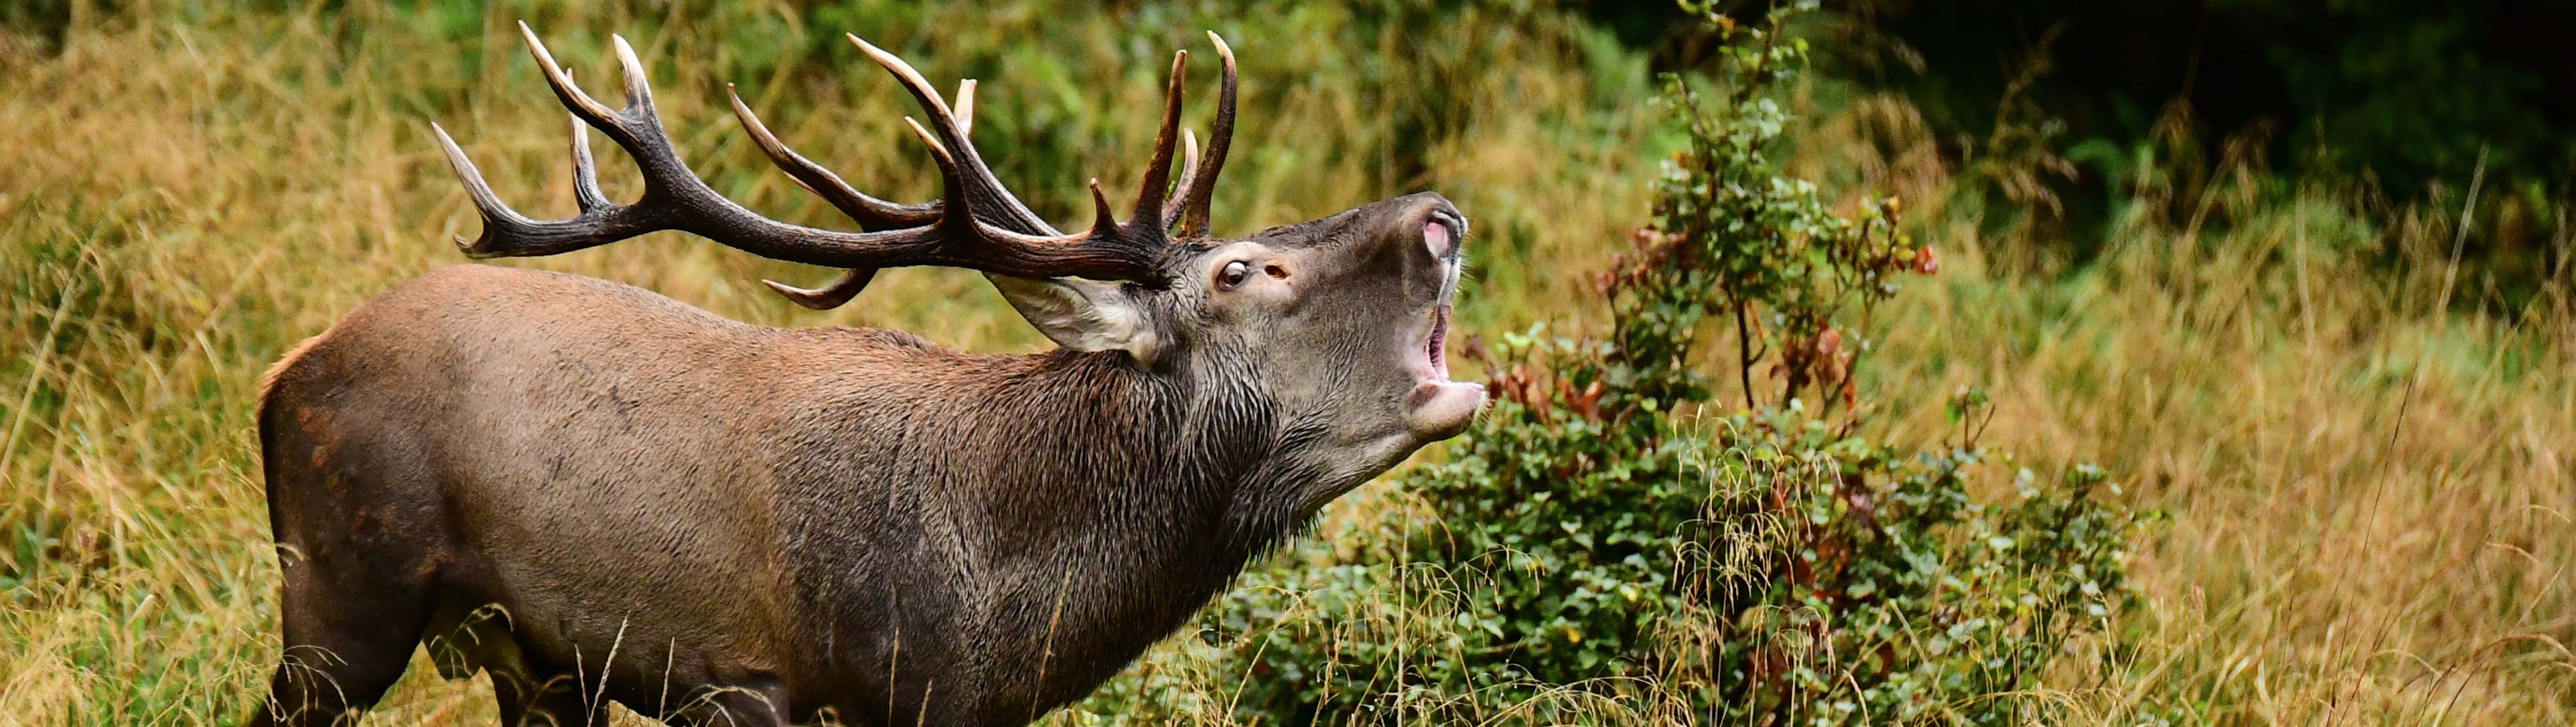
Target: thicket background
{"x":2296,"y":277}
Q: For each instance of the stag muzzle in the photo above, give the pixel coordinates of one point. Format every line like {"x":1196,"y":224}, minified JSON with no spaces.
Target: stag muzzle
{"x":1439,"y":408}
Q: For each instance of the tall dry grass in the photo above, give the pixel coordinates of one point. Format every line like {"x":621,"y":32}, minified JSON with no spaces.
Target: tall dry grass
{"x":2370,"y":493}
{"x":2370,"y":487}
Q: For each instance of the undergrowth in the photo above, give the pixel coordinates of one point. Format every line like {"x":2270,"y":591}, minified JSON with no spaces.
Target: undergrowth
{"x":1613,"y":544}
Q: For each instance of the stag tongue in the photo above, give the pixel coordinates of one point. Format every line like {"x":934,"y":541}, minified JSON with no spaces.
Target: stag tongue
{"x":1436,"y":348}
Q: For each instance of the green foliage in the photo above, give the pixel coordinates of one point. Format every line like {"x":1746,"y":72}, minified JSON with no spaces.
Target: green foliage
{"x":2396,"y":107}
{"x":1605,"y":547}
{"x":1733,"y":235}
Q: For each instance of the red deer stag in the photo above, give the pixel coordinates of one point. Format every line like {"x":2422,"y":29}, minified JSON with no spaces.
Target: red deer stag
{"x":596,"y":494}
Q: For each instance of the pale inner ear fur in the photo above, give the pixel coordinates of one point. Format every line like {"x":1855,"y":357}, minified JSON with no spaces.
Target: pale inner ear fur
{"x":1082,"y":315}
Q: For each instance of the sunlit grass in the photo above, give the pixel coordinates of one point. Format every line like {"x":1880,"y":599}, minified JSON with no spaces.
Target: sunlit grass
{"x":2370,"y":496}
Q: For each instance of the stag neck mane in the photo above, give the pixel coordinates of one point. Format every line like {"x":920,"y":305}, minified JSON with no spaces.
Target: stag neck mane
{"x":1188,"y":430}
{"x":1105,"y":532}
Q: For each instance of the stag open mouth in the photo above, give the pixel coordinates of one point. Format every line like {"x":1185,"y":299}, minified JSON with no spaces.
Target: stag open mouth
{"x":1439,"y":408}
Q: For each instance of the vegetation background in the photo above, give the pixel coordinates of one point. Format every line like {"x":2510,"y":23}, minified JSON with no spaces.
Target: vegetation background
{"x":2296,"y":277}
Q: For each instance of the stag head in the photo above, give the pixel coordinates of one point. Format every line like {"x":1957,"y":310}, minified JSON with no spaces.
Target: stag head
{"x":1342,"y":319}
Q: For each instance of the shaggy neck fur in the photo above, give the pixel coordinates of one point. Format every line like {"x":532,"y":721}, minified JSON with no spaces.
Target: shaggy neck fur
{"x":1087,"y":539}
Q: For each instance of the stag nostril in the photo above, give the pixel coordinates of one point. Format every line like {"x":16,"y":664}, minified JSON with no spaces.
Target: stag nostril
{"x":1435,"y":237}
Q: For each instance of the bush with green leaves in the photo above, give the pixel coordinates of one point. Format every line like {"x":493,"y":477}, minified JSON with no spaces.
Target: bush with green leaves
{"x":1612,"y":544}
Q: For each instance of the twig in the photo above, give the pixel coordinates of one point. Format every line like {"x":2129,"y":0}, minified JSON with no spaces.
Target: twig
{"x":2460,"y":239}
{"x":1744,"y":352}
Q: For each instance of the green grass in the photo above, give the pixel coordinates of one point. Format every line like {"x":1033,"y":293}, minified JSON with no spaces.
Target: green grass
{"x":2370,"y":494}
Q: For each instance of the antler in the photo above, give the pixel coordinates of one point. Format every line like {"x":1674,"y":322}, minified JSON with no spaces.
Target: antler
{"x":977,"y":224}
{"x":1201,"y":182}
{"x":1151,"y":194}
{"x":871,"y":213}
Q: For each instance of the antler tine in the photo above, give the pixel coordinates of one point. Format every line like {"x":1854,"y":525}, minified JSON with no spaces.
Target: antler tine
{"x":1194,"y":218}
{"x":637,"y":127}
{"x":1158,"y":171}
{"x":979,"y":178}
{"x":957,"y":212}
{"x":851,"y":282}
{"x":589,"y":109}
{"x":870,"y":212}
{"x":1104,"y":221}
{"x":585,"y":173}
{"x":639,"y":98}
{"x":505,"y":231}
{"x":832,"y":295}
{"x":1189,"y":173}
{"x":495,"y":214}
{"x":955,"y":208}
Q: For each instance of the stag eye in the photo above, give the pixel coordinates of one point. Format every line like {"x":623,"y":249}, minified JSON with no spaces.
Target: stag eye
{"x":1233,"y":275}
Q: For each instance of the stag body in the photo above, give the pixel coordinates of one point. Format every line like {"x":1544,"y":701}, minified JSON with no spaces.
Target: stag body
{"x":863,"y":489}
{"x":598,"y":494}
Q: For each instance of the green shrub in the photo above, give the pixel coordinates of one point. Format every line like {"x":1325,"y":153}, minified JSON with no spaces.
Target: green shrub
{"x":1608,"y":545}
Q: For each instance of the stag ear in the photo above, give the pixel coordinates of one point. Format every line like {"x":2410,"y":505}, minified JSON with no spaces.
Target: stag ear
{"x":1082,"y":315}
